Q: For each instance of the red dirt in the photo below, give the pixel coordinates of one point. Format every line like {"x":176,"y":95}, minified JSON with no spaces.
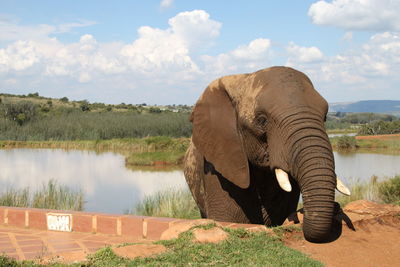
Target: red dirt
{"x":382,"y":137}
{"x":376,"y":241}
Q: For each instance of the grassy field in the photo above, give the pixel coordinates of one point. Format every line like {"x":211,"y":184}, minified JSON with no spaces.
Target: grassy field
{"x":240,"y":249}
{"x":377,"y":144}
{"x":146,"y":151}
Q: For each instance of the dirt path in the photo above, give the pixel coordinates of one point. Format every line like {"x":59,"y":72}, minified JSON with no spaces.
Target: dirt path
{"x":381,"y":136}
{"x":376,"y":241}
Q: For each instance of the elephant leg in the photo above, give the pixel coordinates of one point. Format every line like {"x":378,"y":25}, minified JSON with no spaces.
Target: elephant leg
{"x":224,"y":201}
{"x":194,"y":175}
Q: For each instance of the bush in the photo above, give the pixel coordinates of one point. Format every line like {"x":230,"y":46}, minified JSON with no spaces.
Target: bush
{"x":389,"y":191}
{"x":20,"y":112}
{"x":380,"y":127}
{"x":64,"y":99}
{"x":346,"y":142}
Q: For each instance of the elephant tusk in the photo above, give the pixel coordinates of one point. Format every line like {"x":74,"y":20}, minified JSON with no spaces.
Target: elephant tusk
{"x":283,"y":180}
{"x":342,"y":188}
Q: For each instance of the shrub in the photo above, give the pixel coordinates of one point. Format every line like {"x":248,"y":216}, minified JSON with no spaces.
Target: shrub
{"x":389,"y":191}
{"x":346,"y":142}
{"x":20,"y":112}
{"x":380,"y":127}
{"x":84,"y":105}
{"x":64,"y":99}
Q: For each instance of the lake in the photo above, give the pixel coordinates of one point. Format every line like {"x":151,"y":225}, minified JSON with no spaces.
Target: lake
{"x":110,"y":187}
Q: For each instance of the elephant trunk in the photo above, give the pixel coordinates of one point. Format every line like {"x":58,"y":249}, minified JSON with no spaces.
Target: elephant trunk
{"x":313,"y":168}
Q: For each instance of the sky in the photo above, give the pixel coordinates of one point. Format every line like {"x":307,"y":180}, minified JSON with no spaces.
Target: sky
{"x":168,"y":51}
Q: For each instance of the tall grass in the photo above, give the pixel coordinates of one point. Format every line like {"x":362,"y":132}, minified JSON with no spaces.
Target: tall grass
{"x":387,"y":191}
{"x":169,"y":203}
{"x":51,"y":196}
{"x":77,"y":125}
{"x":15,"y":198}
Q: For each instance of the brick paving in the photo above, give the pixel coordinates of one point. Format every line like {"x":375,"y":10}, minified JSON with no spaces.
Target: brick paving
{"x":27,"y":244}
{"x":27,"y":233}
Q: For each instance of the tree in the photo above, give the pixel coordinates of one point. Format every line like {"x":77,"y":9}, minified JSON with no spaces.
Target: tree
{"x":85,"y":106}
{"x":20,"y":112}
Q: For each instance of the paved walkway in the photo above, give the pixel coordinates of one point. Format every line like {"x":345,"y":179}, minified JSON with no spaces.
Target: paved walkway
{"x":26,"y":244}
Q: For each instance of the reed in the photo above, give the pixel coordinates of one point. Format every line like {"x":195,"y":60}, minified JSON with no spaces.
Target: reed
{"x":50,"y":196}
{"x":171,"y":203}
{"x":386,"y":191}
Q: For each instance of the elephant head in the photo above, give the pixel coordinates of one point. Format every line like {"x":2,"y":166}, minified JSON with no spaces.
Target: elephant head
{"x":272,"y":120}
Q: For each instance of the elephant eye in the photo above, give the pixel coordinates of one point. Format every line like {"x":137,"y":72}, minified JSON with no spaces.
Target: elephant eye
{"x":261,"y":120}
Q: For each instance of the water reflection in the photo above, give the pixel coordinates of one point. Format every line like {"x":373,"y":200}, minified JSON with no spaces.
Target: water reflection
{"x":352,"y":167}
{"x":341,"y":134}
{"x":110,"y":187}
{"x":107,"y":184}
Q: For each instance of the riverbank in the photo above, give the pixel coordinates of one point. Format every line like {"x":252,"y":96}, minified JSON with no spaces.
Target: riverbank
{"x":169,"y":151}
{"x":382,"y":144}
{"x":148,"y":151}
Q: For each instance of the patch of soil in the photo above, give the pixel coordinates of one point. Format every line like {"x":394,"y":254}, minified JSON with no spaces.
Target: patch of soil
{"x":376,"y":241}
{"x":381,"y":136}
{"x":139,"y":250}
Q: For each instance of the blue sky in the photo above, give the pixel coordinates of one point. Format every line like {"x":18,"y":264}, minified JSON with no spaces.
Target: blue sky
{"x":166,"y":52}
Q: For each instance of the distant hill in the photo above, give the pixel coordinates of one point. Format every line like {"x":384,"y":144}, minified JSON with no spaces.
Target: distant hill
{"x":375,"y":106}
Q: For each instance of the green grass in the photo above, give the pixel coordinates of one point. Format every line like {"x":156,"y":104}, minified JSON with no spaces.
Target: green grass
{"x":379,"y":144}
{"x":137,"y":151}
{"x":154,"y":158}
{"x":51,"y":196}
{"x":349,"y":143}
{"x":168,"y":203}
{"x":240,"y":249}
{"x":29,"y":124}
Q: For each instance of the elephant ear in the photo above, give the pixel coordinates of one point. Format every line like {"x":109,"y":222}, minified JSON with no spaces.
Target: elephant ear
{"x":216,"y":135}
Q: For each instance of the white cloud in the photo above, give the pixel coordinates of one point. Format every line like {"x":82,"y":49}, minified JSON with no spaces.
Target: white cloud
{"x":11,"y":31}
{"x":157,"y":57}
{"x":194,"y":28}
{"x":251,"y":57}
{"x":169,"y":50}
{"x":348,"y":36}
{"x":377,"y":15}
{"x":366,"y":71}
{"x":303,"y":54}
{"x":166,"y":3}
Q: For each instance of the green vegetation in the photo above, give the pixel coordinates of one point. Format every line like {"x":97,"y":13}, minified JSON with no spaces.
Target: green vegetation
{"x":169,"y":203}
{"x":346,"y":143}
{"x":51,"y":196}
{"x":147,"y":144}
{"x":155,"y":158}
{"x":42,"y":119}
{"x":351,"y":122}
{"x":387,"y":191}
{"x":381,"y":145}
{"x":380,"y":127}
{"x":240,"y":249}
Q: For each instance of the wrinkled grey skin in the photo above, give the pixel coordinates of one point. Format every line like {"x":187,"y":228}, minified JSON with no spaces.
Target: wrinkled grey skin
{"x":246,"y":126}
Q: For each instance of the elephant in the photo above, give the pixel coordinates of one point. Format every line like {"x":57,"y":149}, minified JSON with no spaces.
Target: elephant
{"x":258,"y":141}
